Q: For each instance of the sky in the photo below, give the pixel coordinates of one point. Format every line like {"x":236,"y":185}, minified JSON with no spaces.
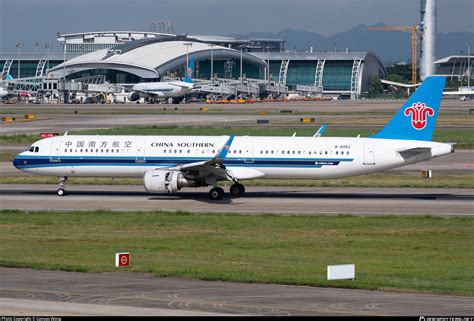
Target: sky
{"x":38,"y":21}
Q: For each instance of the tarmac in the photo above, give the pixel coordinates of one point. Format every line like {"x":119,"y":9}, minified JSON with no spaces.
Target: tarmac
{"x":61,"y":118}
{"x":36,"y":292}
{"x":265,"y":199}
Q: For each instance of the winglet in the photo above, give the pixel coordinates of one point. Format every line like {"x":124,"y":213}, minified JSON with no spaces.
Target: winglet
{"x":320,"y":131}
{"x":225,"y":149}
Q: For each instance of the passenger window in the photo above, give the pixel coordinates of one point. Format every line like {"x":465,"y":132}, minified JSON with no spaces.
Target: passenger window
{"x":337,"y":153}
{"x":326,"y":152}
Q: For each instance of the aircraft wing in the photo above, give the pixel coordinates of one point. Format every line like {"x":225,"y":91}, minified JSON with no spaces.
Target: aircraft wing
{"x":214,"y":166}
{"x":150,"y":93}
{"x":183,"y":85}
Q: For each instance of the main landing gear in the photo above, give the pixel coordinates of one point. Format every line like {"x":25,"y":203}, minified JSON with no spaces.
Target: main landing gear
{"x":62,"y":186}
{"x":216,"y":194}
{"x":236,"y":190}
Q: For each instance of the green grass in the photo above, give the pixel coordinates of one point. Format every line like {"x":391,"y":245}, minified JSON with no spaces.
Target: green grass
{"x":420,"y":254}
{"x":463,"y":138}
{"x":374,"y":180}
{"x":6,"y":156}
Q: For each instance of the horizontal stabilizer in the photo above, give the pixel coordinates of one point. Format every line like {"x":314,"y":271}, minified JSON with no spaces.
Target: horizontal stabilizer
{"x":411,"y":152}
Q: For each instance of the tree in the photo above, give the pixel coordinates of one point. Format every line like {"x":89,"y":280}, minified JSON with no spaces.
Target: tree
{"x":396,"y":78}
{"x":375,"y":87}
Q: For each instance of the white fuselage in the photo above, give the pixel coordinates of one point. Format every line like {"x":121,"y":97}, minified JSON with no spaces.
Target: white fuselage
{"x":163,"y":89}
{"x":3,"y":92}
{"x":248,"y":157}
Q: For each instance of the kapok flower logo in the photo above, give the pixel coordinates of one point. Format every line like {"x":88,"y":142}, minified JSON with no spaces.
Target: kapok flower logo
{"x":419,"y":112}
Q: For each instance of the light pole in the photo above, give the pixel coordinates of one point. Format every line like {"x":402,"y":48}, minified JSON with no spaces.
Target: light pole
{"x":268,"y":56}
{"x":18,"y":45}
{"x":187,"y":44}
{"x":47,"y":46}
{"x":212,"y":63}
{"x":241,"y":49}
{"x":469,"y":66}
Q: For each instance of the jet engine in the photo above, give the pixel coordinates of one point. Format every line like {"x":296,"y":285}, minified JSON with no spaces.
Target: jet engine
{"x":133,"y":96}
{"x":159,"y":181}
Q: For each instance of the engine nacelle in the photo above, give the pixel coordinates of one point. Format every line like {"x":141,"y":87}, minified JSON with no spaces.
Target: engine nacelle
{"x":133,"y":96}
{"x":164,"y":181}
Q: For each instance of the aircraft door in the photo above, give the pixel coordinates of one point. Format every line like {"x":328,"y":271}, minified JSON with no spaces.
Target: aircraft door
{"x":140,"y":152}
{"x":55,"y":153}
{"x":248,"y":156}
{"x":369,"y":154}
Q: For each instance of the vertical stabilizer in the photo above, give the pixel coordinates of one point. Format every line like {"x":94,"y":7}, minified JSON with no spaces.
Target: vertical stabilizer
{"x":416,"y":120}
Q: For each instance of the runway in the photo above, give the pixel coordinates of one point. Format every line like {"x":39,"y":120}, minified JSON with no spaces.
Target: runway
{"x":36,"y":292}
{"x":276,"y":200}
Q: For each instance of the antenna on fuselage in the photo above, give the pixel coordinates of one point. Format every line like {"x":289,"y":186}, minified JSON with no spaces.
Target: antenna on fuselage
{"x":65,"y":134}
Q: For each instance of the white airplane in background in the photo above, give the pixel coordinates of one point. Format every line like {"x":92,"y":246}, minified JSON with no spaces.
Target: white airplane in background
{"x":3,"y":92}
{"x":165,"y":89}
{"x":168,"y":163}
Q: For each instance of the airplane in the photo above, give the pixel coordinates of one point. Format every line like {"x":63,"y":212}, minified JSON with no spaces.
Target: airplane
{"x":3,"y":92}
{"x":166,"y":89}
{"x":169,"y":163}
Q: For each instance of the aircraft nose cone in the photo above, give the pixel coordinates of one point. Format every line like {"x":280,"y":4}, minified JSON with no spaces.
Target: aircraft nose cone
{"x":17,"y":162}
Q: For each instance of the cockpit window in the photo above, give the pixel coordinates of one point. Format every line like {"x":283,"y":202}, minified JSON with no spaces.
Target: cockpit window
{"x":32,"y":149}
{"x":37,"y":149}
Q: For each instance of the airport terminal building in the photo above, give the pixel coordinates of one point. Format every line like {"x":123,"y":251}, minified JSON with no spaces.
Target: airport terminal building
{"x":132,"y":57}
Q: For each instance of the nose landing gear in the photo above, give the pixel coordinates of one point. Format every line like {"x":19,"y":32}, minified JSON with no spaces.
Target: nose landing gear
{"x":62,"y":186}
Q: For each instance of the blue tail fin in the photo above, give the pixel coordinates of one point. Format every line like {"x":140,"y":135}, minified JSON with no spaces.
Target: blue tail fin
{"x":188,"y":77}
{"x":416,"y":120}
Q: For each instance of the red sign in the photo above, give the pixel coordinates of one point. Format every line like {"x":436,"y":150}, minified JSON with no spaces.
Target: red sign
{"x":122,"y":259}
{"x":47,"y":135}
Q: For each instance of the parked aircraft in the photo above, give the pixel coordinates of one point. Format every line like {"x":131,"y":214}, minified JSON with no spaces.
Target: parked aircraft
{"x":169,"y":163}
{"x":3,"y":92}
{"x":166,"y":89}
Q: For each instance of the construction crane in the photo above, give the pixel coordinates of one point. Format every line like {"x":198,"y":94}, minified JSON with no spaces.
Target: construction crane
{"x":414,"y":40}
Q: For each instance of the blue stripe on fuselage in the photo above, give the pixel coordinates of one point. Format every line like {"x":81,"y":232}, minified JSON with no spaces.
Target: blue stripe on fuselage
{"x":45,"y":161}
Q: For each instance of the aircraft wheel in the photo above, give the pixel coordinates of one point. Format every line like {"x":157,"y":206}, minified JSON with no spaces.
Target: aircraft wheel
{"x":237,"y":190}
{"x":216,"y":194}
{"x":61,"y":192}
